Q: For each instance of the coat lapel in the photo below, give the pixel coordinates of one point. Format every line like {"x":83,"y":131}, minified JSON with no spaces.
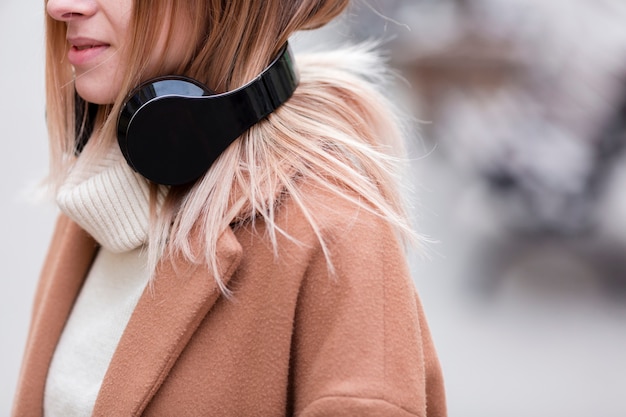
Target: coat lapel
{"x":71,"y":253}
{"x":166,"y":316}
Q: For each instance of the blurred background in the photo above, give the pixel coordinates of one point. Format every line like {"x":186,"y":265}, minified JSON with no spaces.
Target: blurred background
{"x":519,"y":170}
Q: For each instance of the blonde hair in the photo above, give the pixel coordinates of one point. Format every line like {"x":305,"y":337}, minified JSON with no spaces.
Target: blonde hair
{"x":337,"y":132}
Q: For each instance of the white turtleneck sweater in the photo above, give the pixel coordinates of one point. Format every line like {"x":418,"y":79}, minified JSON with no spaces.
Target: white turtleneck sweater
{"x":110,"y":202}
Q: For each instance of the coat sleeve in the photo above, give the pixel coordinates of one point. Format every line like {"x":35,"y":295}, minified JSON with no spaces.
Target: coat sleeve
{"x":361,"y":345}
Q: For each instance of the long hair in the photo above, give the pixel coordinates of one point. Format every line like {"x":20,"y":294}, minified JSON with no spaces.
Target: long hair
{"x":336,"y":132}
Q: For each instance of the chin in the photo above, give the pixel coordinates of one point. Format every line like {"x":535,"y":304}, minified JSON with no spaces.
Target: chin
{"x":97,"y":92}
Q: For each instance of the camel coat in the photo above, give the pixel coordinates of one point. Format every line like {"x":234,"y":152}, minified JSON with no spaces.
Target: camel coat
{"x":292,"y":340}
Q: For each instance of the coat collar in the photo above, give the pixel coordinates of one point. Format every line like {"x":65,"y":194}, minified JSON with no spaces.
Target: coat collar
{"x":166,"y":316}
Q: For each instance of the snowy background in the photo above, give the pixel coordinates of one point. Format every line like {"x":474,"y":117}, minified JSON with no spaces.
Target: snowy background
{"x":520,"y":179}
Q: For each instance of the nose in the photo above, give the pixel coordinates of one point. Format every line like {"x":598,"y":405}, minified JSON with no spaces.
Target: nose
{"x":67,"y":10}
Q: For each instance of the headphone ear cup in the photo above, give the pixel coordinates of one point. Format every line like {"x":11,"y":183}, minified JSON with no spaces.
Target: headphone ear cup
{"x":160,"y":134}
{"x":172,"y":142}
{"x":172,"y":129}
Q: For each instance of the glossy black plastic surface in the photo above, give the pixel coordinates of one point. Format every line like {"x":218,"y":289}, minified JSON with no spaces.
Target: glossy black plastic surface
{"x":172,"y":129}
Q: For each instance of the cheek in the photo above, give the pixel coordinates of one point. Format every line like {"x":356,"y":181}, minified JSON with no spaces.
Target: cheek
{"x":120,"y":13}
{"x":102,"y":84}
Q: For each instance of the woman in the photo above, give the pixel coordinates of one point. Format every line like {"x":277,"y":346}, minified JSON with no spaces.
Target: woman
{"x":274,"y":283}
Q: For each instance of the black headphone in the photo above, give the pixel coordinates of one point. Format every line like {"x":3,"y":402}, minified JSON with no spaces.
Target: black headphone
{"x":171,"y":129}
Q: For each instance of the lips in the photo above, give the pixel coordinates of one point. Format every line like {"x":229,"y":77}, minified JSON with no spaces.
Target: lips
{"x":84,"y":50}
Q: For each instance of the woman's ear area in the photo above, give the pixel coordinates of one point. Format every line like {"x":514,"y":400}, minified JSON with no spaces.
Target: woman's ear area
{"x":171,"y":44}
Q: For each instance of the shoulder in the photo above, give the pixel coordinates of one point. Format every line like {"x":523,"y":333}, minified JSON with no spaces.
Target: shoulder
{"x":319,"y":216}
{"x":356,"y":316}
{"x":335,"y":249}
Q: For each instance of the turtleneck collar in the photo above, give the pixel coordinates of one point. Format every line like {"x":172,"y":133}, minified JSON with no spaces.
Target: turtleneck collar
{"x":109,"y":200}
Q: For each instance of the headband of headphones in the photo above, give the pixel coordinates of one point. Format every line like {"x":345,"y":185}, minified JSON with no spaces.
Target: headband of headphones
{"x":171,"y":129}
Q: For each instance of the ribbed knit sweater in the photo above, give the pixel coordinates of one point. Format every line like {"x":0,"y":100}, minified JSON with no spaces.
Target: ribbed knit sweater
{"x":109,"y":201}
